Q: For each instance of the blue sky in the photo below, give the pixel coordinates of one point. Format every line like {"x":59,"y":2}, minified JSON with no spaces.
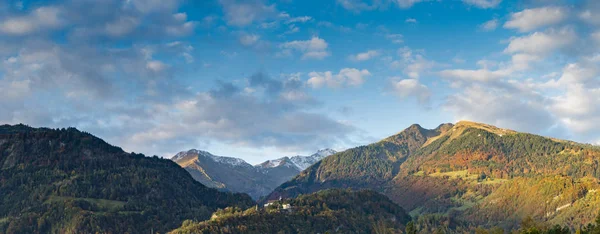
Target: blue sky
{"x":261,"y":79}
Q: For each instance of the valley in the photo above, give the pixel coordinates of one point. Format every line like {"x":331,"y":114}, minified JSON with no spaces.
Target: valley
{"x":455,"y":178}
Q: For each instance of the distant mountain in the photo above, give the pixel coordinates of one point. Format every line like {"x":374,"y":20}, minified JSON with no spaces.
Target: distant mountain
{"x":330,"y":211}
{"x":469,"y":173}
{"x":225,"y":173}
{"x":67,"y":181}
{"x":300,"y":162}
{"x":234,"y":174}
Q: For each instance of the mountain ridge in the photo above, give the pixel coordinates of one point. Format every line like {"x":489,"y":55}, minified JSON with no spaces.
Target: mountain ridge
{"x":301,"y":162}
{"x":65,"y":180}
{"x":234,"y":174}
{"x":464,"y":169}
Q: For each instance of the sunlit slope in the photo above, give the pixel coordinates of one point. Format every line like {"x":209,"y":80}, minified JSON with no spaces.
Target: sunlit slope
{"x":474,"y":172}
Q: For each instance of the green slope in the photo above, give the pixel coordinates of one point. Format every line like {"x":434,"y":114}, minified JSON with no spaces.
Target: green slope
{"x":329,"y":211}
{"x":67,"y":181}
{"x":371,"y":166}
{"x":475,"y":173}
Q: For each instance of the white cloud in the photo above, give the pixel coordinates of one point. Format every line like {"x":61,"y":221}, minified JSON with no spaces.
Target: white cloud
{"x":395,"y":38}
{"x":542,"y":43}
{"x":411,"y":21}
{"x":590,"y":17}
{"x":411,"y":87}
{"x":522,"y":61}
{"x":525,"y":50}
{"x":519,"y":62}
{"x":150,"y":6}
{"x":346,"y":77}
{"x":365,"y":55}
{"x":315,"y":48}
{"x":489,"y":25}
{"x":243,"y":13}
{"x":50,"y":67}
{"x":269,"y":25}
{"x":408,"y":3}
{"x":596,"y":37}
{"x":300,"y":19}
{"x":500,"y":107}
{"x":315,"y":55}
{"x":40,"y":19}
{"x":481,"y":75}
{"x":208,"y":21}
{"x":575,"y":96}
{"x":292,"y":29}
{"x":412,"y":63}
{"x":182,"y":16}
{"x":578,"y":108}
{"x":564,"y":104}
{"x":531,"y":19}
{"x":249,"y":39}
{"x":340,"y":28}
{"x":180,"y":25}
{"x":360,"y":5}
{"x":156,"y":66}
{"x":458,"y":60}
{"x":485,"y":4}
{"x":275,"y":114}
{"x":584,"y":72}
{"x":122,"y":26}
{"x":131,"y":93}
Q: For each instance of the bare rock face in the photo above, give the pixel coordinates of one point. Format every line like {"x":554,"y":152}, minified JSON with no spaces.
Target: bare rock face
{"x":234,"y":174}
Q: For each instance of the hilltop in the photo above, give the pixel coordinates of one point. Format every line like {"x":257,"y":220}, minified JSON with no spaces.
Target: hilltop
{"x":68,"y":181}
{"x":473,"y":172}
{"x":329,"y":211}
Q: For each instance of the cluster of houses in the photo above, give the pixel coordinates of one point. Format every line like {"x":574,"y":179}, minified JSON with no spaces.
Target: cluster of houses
{"x":275,"y":203}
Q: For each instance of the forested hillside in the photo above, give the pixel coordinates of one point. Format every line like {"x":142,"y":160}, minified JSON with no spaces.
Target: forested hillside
{"x":475,"y":174}
{"x":67,"y":181}
{"x":329,"y":211}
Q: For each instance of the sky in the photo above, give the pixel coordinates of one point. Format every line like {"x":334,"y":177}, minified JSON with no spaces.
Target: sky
{"x":260,"y":79}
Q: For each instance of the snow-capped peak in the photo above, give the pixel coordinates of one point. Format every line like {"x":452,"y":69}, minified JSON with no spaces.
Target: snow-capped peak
{"x":220,"y":159}
{"x":236,"y":162}
{"x":299,"y":162}
{"x":303,"y":162}
{"x":323,"y":153}
{"x":192,"y":152}
{"x":285,"y":161}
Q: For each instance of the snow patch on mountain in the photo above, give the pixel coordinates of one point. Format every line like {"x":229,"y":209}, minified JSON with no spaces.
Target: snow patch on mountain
{"x":303,"y":162}
{"x":297,"y":162}
{"x":231,"y":161}
{"x":280,"y":162}
{"x":235,"y":162}
{"x":192,"y":152}
{"x":324,"y":153}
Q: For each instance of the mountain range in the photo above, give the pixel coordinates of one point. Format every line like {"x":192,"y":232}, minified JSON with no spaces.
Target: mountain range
{"x":236,"y":175}
{"x":457,"y":178}
{"x":470,"y":173}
